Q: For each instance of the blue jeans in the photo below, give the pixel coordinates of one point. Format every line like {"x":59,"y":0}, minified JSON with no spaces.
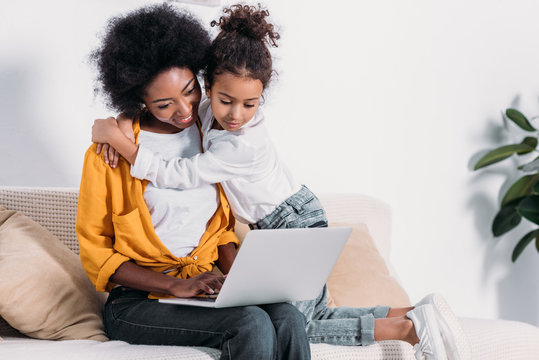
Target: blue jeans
{"x":342,"y":325}
{"x":301,"y":210}
{"x":274,"y":331}
{"x":338,"y":326}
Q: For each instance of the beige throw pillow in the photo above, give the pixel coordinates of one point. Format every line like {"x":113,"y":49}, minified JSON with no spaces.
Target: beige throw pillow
{"x":45,"y":292}
{"x":360,"y":277}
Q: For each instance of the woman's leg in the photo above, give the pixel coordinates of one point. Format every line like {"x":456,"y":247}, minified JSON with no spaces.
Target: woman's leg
{"x":240,"y":333}
{"x":289,"y":323}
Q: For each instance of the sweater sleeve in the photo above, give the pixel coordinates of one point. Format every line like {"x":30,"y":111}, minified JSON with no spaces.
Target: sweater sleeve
{"x":94,"y":225}
{"x":221,"y":162}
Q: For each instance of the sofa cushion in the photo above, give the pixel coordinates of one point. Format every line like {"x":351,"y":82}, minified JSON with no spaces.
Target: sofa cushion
{"x":360,"y":277}
{"x":45,"y":292}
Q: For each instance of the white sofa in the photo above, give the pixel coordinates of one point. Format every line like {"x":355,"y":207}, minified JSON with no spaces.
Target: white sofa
{"x":55,"y":209}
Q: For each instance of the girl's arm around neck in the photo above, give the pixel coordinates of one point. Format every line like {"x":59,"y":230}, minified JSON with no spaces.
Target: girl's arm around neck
{"x":223,"y":161}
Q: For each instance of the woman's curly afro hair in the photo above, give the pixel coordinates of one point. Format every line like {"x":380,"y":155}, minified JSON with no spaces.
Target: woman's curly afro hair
{"x":138,"y":46}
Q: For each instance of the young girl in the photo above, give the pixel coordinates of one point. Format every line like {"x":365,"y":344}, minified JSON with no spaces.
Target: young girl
{"x":239,"y":154}
{"x":238,"y":151}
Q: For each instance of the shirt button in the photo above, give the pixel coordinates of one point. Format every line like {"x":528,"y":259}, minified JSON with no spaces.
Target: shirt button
{"x":196,"y":257}
{"x":228,"y":206}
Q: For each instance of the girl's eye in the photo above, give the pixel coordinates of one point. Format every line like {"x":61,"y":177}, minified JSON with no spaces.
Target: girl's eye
{"x":226,"y":102}
{"x":164,"y":106}
{"x":249,"y":105}
{"x":191,"y":91}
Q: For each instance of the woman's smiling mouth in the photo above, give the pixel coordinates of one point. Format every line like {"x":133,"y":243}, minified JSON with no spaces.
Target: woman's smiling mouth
{"x":184,"y":120}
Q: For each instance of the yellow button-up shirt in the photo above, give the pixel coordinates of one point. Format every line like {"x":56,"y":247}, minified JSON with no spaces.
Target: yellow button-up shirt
{"x":114,"y":226}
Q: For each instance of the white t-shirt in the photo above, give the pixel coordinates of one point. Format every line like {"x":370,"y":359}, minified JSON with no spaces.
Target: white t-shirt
{"x":179,"y":216}
{"x":245,"y":162}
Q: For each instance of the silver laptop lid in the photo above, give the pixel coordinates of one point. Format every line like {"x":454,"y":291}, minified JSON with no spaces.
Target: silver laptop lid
{"x":282,"y":265}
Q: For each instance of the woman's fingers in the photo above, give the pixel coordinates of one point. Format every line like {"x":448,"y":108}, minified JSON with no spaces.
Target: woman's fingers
{"x":98,"y":150}
{"x":210,"y":282}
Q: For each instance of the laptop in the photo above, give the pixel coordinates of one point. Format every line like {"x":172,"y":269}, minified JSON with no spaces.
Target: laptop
{"x":277,"y":265}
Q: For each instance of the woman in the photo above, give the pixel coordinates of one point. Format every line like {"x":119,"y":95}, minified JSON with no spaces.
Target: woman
{"x":140,"y":242}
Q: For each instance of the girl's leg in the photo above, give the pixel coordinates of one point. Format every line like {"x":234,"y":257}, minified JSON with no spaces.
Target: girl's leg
{"x":356,"y":326}
{"x":342,"y":325}
{"x":398,"y":312}
{"x":395,"y":328}
{"x":240,"y":333}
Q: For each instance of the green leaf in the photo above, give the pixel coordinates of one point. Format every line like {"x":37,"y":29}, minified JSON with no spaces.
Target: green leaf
{"x":506,"y":219}
{"x":518,"y":118}
{"x":521,"y":188}
{"x":536,"y":188}
{"x":529,"y":208}
{"x":531,"y":166}
{"x":525,"y":241}
{"x":502,"y":153}
{"x":531,"y":141}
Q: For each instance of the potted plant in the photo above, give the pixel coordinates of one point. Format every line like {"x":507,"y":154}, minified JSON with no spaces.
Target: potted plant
{"x":522,"y":198}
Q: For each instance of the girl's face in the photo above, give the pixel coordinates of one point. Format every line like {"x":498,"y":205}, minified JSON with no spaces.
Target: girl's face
{"x":172,"y":98}
{"x":234,"y":100}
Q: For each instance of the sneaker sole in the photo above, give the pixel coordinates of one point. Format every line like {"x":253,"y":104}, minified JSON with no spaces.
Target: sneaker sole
{"x":460,"y":347}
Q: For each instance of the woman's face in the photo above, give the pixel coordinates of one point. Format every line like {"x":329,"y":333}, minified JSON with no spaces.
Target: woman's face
{"x":172,"y":98}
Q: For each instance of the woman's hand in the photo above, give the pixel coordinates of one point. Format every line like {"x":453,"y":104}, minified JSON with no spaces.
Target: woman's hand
{"x":205,"y":283}
{"x":137,"y":277}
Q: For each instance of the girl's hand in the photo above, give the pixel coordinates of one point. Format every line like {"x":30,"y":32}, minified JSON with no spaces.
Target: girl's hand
{"x":205,"y":283}
{"x":103,"y":130}
{"x":110,"y":155}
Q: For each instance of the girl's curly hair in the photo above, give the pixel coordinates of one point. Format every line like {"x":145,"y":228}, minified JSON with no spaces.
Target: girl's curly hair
{"x":241,"y":47}
{"x":138,"y":46}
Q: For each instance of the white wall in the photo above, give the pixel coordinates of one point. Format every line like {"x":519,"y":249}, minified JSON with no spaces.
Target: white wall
{"x":387,"y":98}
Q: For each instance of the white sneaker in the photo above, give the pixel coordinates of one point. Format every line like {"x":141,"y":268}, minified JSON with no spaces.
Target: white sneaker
{"x":430,"y":346}
{"x":455,"y":340}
